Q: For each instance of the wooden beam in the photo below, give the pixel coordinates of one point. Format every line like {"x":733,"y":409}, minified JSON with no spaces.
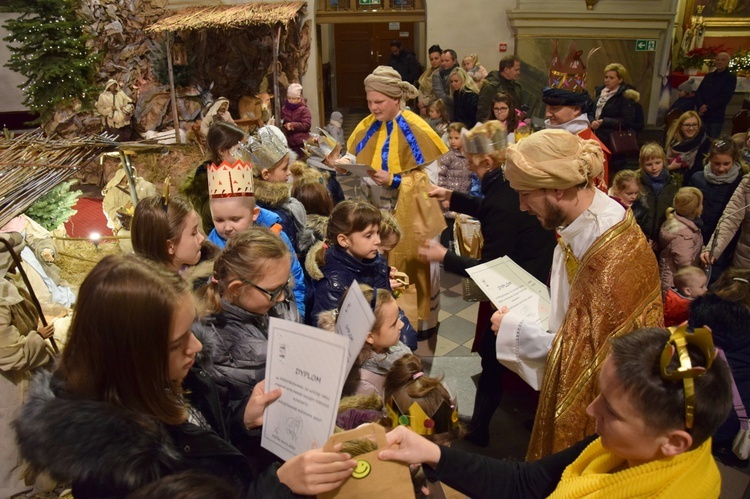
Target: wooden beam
{"x":170,"y":69}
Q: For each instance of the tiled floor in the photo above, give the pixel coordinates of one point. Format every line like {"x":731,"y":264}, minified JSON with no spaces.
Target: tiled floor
{"x":449,"y":354}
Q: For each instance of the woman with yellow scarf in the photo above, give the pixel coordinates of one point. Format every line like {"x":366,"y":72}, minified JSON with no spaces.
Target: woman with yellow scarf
{"x":398,"y":144}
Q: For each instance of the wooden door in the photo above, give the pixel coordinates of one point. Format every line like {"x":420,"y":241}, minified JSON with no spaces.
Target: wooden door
{"x":359,"y":49}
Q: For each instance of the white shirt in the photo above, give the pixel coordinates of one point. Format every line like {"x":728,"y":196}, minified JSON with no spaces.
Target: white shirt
{"x":522,"y":345}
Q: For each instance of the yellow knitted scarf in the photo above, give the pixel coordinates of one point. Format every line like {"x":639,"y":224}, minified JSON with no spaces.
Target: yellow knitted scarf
{"x":690,"y":474}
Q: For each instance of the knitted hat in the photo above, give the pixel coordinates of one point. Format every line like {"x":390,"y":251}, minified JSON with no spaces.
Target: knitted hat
{"x":686,"y":86}
{"x":294,"y":91}
{"x":337,"y":117}
{"x":230,"y":180}
{"x":552,"y":159}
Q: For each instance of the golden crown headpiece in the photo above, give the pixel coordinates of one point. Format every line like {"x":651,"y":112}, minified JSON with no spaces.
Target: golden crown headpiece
{"x":267,"y":148}
{"x":480,"y":143}
{"x":444,"y":419}
{"x":228,"y":180}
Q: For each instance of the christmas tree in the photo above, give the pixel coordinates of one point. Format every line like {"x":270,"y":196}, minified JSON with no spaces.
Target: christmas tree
{"x":48,"y":47}
{"x":56,"y":207}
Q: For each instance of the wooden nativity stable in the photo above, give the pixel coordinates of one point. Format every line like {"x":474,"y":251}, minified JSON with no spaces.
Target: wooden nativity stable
{"x":239,"y":50}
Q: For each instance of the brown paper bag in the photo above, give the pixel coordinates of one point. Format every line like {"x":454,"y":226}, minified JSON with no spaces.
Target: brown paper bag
{"x":429,"y":221}
{"x":406,"y":298}
{"x":372,"y":478}
{"x":468,"y":238}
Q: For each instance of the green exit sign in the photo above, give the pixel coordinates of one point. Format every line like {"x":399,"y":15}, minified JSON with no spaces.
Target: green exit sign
{"x":645,"y":45}
{"x":369,"y":2}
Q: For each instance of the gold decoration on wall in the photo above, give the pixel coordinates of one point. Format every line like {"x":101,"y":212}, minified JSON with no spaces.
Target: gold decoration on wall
{"x":590,"y":4}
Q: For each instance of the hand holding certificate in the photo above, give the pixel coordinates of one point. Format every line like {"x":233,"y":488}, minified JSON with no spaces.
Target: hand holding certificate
{"x":506,"y":284}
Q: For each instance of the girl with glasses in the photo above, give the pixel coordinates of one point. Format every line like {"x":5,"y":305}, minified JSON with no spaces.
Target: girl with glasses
{"x":250,"y":283}
{"x":504,"y":110}
{"x":687,"y":145}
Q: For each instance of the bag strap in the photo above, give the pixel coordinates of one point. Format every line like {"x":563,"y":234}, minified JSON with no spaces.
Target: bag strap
{"x":739,"y":407}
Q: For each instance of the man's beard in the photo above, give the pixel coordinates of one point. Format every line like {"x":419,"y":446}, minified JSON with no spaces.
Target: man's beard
{"x":553,"y":217}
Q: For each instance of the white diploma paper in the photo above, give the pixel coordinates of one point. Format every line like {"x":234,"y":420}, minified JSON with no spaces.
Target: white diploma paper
{"x":354,"y":322}
{"x":356,"y":168}
{"x":507,"y":284}
{"x":309,"y":365}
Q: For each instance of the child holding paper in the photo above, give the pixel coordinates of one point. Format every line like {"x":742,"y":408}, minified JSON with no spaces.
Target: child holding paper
{"x":382,"y":346}
{"x":250,"y":283}
{"x":129,"y":402}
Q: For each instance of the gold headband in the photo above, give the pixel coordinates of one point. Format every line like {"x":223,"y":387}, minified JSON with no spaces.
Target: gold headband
{"x":679,"y":339}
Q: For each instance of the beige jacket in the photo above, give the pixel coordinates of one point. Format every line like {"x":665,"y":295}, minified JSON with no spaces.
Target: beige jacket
{"x":736,"y":217}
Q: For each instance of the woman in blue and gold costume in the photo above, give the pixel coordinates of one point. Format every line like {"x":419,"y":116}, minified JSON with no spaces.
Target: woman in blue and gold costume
{"x":399,"y":144}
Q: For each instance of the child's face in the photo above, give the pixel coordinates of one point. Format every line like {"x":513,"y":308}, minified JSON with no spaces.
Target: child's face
{"x":183,"y":345}
{"x":187,"y":249}
{"x":279,"y":173}
{"x":387,"y":244}
{"x":231,"y":215}
{"x":390,"y":330}
{"x":256,"y":297}
{"x":721,"y":164}
{"x":653,"y":166}
{"x":629,"y":193}
{"x":696,"y":287}
{"x":362,"y":245}
{"x":294,"y":100}
{"x":500,"y":110}
{"x":467,"y":64}
{"x":454,"y":140}
{"x":433,"y":112}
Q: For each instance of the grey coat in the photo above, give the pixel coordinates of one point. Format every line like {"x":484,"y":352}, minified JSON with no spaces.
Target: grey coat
{"x":239,"y":342}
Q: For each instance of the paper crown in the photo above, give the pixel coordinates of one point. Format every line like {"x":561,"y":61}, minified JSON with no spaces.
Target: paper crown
{"x":569,"y":75}
{"x":230,"y":180}
{"x":480,"y":143}
{"x":444,"y":419}
{"x":267,"y":149}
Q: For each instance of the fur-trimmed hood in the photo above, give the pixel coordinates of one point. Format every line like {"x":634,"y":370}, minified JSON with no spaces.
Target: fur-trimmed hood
{"x":311,"y":265}
{"x":632,"y":94}
{"x":318,"y":223}
{"x":81,"y":440}
{"x":273,"y":194}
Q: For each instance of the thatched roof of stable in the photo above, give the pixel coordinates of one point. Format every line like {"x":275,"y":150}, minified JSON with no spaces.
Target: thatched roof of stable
{"x":229,"y":16}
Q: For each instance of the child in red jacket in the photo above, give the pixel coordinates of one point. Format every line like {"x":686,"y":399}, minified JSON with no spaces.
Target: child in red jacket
{"x":690,"y":283}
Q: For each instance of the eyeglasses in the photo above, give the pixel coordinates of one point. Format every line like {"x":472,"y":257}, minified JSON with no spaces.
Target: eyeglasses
{"x":690,"y":125}
{"x":500,"y":108}
{"x":272,"y":295}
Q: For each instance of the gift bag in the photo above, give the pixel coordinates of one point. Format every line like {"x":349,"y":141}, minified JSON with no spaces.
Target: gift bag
{"x":406,"y":298}
{"x":429,"y":221}
{"x":623,"y":142}
{"x":372,"y":478}
{"x":467,"y":236}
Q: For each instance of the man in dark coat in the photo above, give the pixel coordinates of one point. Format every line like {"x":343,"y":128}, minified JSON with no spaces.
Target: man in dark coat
{"x":714,"y":93}
{"x":405,"y":62}
{"x":440,"y":84}
{"x":503,"y":80}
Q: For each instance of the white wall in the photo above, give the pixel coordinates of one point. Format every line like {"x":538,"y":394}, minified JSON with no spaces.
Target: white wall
{"x":10,"y":95}
{"x":471,"y":26}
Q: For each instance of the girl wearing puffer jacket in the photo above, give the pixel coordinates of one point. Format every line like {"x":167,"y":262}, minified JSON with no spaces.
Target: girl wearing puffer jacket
{"x":680,"y":235}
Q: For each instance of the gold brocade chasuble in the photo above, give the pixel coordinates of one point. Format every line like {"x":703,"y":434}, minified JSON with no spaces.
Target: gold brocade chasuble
{"x":400,"y":146}
{"x":615,"y":288}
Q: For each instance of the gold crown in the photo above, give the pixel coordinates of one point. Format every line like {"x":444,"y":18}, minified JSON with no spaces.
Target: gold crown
{"x":480,"y":143}
{"x":267,"y":149}
{"x":230,"y":180}
{"x":444,"y":419}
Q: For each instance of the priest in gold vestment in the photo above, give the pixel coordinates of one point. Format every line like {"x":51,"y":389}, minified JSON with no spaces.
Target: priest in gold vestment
{"x":604,"y":283}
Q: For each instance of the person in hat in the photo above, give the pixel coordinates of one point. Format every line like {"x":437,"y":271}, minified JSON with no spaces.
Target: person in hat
{"x":398,"y":143}
{"x":604,"y":281}
{"x":322,"y":153}
{"x":295,"y":118}
{"x":506,"y":231}
{"x":333,"y":128}
{"x":117,"y":110}
{"x":686,"y":101}
{"x":23,"y":349}
{"x":219,"y":111}
{"x":661,"y":396}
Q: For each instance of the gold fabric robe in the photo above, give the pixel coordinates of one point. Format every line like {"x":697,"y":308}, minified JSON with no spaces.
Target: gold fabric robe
{"x":614,"y":290}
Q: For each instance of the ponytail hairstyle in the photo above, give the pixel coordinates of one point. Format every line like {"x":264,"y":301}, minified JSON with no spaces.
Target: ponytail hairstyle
{"x":688,"y":203}
{"x":406,"y":384}
{"x":245,"y":257}
{"x":221,"y":135}
{"x":155,"y":223}
{"x":734,"y":286}
{"x":347,"y":218}
{"x":389,"y":227}
{"x":315,"y":197}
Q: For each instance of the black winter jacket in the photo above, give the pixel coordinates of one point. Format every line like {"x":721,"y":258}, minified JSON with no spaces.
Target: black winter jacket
{"x":505,"y":228}
{"x":621,"y":112}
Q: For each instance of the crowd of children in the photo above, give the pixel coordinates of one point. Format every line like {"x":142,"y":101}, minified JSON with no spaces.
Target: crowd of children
{"x":284,"y":242}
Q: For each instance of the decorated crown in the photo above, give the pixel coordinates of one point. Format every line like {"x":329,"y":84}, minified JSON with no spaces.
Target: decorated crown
{"x":230,"y":180}
{"x":480,"y":143}
{"x":267,"y":149}
{"x":569,"y":75}
{"x":321,"y":146}
{"x":444,"y":419}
